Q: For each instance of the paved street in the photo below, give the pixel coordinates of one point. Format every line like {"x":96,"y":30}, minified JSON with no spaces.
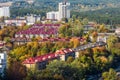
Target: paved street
{"x":89,"y":45}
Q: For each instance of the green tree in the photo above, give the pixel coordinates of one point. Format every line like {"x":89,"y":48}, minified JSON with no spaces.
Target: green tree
{"x":110,"y":75}
{"x":111,"y":41}
{"x":44,"y":50}
{"x":70,"y":59}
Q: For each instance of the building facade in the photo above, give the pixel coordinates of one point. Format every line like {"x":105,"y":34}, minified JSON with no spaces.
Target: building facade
{"x":31,"y":19}
{"x":117,"y":31}
{"x":63,"y":12}
{"x":4,"y":12}
{"x":42,"y":30}
{"x":3,"y":61}
{"x":15,"y":22}
{"x":53,"y":15}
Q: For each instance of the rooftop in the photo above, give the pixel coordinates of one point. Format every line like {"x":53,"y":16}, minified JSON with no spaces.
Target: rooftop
{"x":46,"y":57}
{"x":41,"y":29}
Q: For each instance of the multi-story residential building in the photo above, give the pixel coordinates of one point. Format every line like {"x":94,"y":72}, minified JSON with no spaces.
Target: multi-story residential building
{"x":15,"y":22}
{"x":40,"y":62}
{"x":3,"y":61}
{"x":53,"y":15}
{"x":42,"y":30}
{"x":4,"y":11}
{"x":31,"y":19}
{"x":63,"y":12}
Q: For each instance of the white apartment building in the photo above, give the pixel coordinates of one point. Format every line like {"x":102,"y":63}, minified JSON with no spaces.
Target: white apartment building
{"x":64,"y":12}
{"x":31,"y":19}
{"x":4,"y":12}
{"x":3,"y":61}
{"x":53,"y":15}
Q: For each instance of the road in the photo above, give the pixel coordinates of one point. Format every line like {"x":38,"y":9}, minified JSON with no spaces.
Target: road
{"x":89,"y":45}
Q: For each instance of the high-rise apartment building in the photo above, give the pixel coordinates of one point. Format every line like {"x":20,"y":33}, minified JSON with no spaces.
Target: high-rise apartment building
{"x":4,"y":12}
{"x":63,"y":12}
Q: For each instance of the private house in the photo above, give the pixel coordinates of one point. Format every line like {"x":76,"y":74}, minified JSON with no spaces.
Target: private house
{"x":42,"y":30}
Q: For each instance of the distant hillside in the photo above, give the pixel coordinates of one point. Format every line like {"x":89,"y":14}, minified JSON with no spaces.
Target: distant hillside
{"x":75,"y":4}
{"x":83,"y":1}
{"x":94,"y":1}
{"x":107,"y":16}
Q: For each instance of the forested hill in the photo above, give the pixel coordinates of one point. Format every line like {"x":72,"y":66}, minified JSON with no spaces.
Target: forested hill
{"x":83,"y":1}
{"x":107,"y":16}
{"x":94,"y":1}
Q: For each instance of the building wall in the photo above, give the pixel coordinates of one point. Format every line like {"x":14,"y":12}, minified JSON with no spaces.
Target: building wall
{"x":64,"y":57}
{"x":52,"y":15}
{"x":17,"y":22}
{"x":4,"y":11}
{"x":31,"y":19}
{"x":77,"y":54}
{"x":102,"y":38}
{"x":30,"y":66}
{"x":64,"y":10}
{"x":41,"y":65}
{"x":3,"y":61}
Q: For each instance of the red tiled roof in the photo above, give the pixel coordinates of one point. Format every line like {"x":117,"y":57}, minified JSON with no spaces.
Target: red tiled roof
{"x":49,"y":56}
{"x":40,"y":58}
{"x":2,"y":44}
{"x":64,"y":51}
{"x":41,"y":29}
